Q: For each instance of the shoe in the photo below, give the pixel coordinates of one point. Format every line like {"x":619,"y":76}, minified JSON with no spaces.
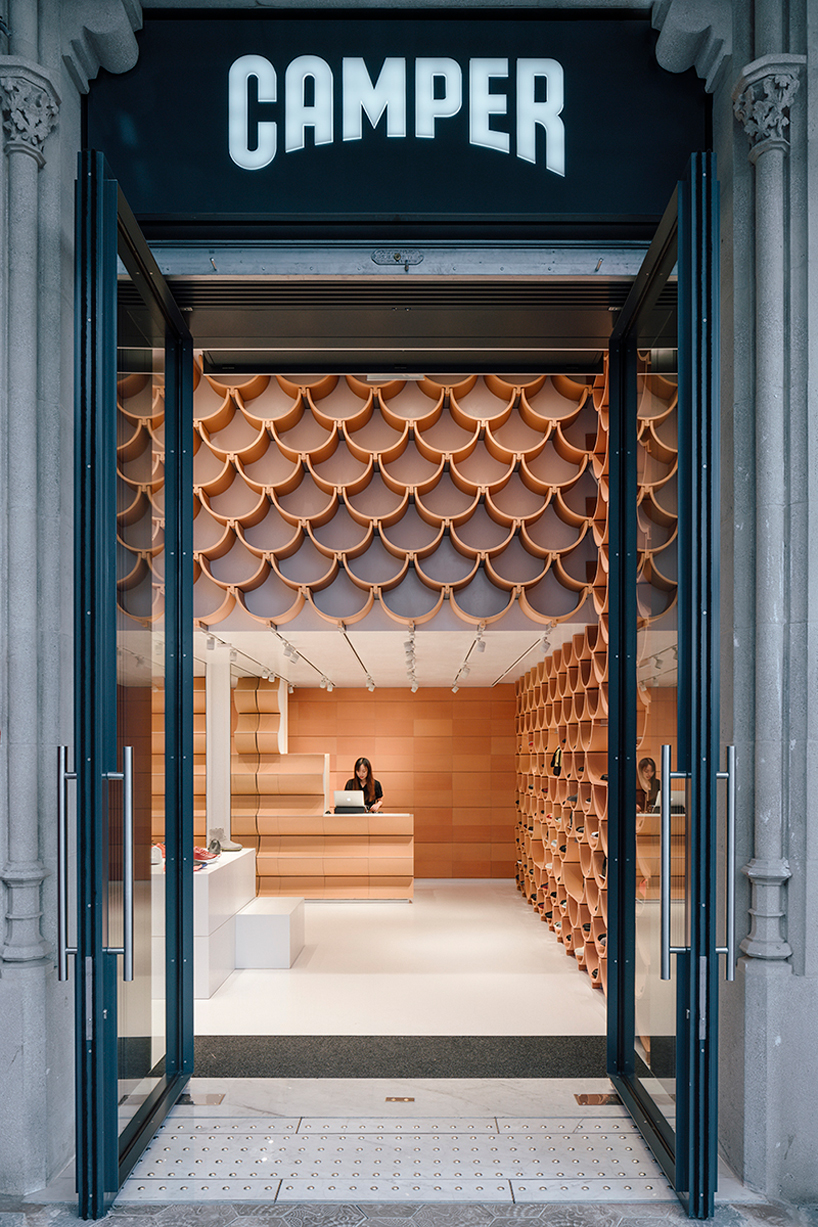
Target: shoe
{"x":225,"y":844}
{"x":202,"y":854}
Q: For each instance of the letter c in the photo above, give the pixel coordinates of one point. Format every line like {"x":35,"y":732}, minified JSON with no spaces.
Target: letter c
{"x":238,"y":119}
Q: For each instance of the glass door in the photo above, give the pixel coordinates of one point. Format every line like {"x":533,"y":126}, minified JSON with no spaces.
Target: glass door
{"x":133,"y":661}
{"x":665,"y":897}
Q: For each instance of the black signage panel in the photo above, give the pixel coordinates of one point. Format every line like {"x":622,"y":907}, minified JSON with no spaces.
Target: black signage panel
{"x":396,"y":117}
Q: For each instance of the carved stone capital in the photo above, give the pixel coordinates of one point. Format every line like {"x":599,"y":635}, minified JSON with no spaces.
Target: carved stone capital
{"x":29,"y":104}
{"x":762,"y":97}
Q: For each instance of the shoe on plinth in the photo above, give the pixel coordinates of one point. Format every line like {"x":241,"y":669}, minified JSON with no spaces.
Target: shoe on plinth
{"x":225,"y":845}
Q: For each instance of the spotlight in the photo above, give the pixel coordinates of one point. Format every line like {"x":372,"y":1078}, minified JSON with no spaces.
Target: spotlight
{"x":414,"y":687}
{"x":288,"y":651}
{"x":290,"y":688}
{"x":465,"y":671}
{"x":455,"y":688}
{"x":481,"y":645}
{"x":370,"y":685}
{"x":323,"y":683}
{"x":409,"y":644}
{"x":234,"y":654}
{"x":330,"y":687}
{"x":211,"y":643}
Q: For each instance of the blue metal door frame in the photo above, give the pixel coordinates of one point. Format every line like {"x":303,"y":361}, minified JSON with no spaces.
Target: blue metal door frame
{"x":105,"y":232}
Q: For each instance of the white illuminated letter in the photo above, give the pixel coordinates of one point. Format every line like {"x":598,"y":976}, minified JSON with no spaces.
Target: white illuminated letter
{"x":300,"y":116}
{"x":238,"y":135}
{"x":482,"y":104}
{"x":362,"y":97}
{"x":530,"y":113}
{"x":427,"y":107}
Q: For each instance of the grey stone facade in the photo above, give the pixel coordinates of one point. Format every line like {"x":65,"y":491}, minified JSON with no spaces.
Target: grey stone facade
{"x":758,"y":58}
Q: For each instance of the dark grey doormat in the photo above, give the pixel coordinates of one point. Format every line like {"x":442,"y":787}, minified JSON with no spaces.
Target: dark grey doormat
{"x":400,"y":1056}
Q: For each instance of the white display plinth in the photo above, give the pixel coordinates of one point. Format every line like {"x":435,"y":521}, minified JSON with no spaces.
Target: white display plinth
{"x":270,"y":932}
{"x":220,"y":890}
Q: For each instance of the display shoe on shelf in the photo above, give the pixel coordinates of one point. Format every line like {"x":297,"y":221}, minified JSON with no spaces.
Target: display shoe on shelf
{"x":203,"y":854}
{"x":217,"y":835}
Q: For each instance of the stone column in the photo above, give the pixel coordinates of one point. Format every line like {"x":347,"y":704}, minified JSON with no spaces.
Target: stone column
{"x":761,"y":99}
{"x":29,"y":104}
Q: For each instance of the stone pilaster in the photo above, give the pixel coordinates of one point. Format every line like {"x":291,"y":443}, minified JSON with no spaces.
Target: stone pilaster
{"x":761,"y":98}
{"x":29,"y":104}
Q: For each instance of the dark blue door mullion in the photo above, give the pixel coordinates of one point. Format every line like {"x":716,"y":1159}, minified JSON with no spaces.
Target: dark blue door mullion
{"x":95,"y":666}
{"x":621,"y":703}
{"x":699,"y":618}
{"x":179,"y":707}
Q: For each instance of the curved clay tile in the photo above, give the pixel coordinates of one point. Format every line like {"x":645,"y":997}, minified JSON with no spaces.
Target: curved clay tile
{"x":341,"y":534}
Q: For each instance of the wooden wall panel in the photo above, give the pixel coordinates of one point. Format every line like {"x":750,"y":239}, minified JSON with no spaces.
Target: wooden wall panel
{"x":449,"y":759}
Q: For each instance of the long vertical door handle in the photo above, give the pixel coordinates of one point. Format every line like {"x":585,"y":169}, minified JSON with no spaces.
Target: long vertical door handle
{"x":127,"y":860}
{"x":664,"y":862}
{"x":63,"y":777}
{"x":730,"y":855}
{"x":665,"y":830}
{"x":126,"y":775}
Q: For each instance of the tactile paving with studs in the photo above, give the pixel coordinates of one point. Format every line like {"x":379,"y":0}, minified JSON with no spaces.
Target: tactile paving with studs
{"x":494,"y":1159}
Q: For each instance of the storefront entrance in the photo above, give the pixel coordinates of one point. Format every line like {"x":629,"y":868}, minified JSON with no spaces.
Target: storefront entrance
{"x":657,"y":603}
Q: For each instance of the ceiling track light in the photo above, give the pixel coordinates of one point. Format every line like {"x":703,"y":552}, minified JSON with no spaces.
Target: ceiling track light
{"x":290,"y":688}
{"x":414,"y":687}
{"x":330,"y":687}
{"x":233,"y":655}
{"x":455,"y":688}
{"x":323,"y":683}
{"x":370,"y":685}
{"x":211,"y":643}
{"x":465,"y":671}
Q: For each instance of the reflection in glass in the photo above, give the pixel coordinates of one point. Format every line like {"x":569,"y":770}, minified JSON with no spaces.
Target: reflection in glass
{"x":657,"y":671}
{"x":140,"y":651}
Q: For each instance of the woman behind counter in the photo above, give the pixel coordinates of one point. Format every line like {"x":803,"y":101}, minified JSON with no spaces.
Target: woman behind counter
{"x":364,"y":781}
{"x":647,"y":786}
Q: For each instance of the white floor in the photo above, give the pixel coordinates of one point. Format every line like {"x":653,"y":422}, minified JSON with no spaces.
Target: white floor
{"x":467,"y":957}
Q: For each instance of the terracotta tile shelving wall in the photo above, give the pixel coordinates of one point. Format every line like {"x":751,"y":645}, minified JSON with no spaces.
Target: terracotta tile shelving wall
{"x":562,"y":704}
{"x":449,"y":759}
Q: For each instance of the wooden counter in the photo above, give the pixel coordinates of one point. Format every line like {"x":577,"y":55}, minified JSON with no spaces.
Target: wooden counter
{"x":336,"y":856}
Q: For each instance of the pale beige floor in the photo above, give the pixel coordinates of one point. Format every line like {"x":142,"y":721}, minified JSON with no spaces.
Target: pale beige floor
{"x":467,"y":957}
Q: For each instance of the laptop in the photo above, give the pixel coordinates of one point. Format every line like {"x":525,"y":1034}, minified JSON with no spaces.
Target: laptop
{"x":349,"y":802}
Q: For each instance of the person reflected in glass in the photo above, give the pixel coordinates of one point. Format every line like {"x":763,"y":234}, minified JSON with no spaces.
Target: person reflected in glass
{"x":647,"y":786}
{"x":364,"y":781}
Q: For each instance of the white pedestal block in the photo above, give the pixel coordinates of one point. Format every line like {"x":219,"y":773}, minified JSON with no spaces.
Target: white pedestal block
{"x":220,"y":890}
{"x":270,"y":932}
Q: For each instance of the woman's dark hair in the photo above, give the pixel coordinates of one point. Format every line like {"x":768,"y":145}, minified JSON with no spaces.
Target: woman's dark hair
{"x":369,"y":786}
{"x":649,"y":787}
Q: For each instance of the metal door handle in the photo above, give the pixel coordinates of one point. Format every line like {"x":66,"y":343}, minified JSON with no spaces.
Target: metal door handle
{"x":664,"y":863}
{"x":63,"y":777}
{"x":730,"y":855}
{"x":126,"y":775}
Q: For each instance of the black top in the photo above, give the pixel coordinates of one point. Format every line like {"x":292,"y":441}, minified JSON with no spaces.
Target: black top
{"x":354,"y":785}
